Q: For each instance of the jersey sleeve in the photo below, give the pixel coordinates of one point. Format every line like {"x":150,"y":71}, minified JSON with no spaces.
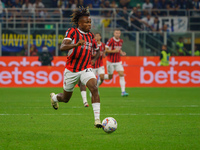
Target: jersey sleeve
{"x":70,"y":34}
{"x":109,"y":43}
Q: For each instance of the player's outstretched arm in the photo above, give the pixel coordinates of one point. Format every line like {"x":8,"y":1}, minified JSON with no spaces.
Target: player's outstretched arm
{"x":96,"y":57}
{"x":122,"y":53}
{"x":111,"y":51}
{"x":66,"y":44}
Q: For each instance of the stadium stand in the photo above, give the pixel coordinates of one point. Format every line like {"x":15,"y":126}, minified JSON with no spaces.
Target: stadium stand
{"x":157,"y":21}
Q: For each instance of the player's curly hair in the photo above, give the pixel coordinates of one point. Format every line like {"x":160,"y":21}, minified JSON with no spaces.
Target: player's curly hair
{"x":78,"y":13}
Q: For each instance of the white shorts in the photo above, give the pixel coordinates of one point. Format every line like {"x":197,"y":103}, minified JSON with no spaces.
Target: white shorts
{"x":98,"y":71}
{"x":71,"y":78}
{"x":114,"y":66}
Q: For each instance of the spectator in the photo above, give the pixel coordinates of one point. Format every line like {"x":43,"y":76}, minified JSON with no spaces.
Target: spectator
{"x":163,"y":5}
{"x":164,"y":56}
{"x":81,"y":3}
{"x":124,"y":15}
{"x":17,"y":13}
{"x":33,"y":50}
{"x":156,"y":7}
{"x":40,"y":13}
{"x":45,"y":57}
{"x":62,"y":4}
{"x":135,"y":20}
{"x":196,"y":51}
{"x":182,"y":6}
{"x":2,"y":6}
{"x":38,"y":4}
{"x":165,"y":28}
{"x":95,"y":4}
{"x":147,"y":6}
{"x":124,"y":3}
{"x":156,"y":4}
{"x":196,"y":4}
{"x":113,"y":4}
{"x":74,"y":4}
{"x":189,"y":4}
{"x":155,"y":25}
{"x":17,"y":4}
{"x":87,"y":2}
{"x":8,"y":4}
{"x":107,"y":13}
{"x":148,"y":22}
{"x":27,"y":7}
{"x":133,"y":11}
{"x":173,"y":8}
{"x":180,"y":47}
{"x":138,"y":6}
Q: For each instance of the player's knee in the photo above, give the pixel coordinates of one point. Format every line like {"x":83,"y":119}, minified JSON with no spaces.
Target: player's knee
{"x":121,"y":73}
{"x":94,"y":89}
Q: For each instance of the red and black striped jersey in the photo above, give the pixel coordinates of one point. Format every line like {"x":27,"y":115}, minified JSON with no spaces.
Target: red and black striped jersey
{"x":113,"y":44}
{"x":79,"y":58}
{"x":94,"y":48}
{"x":99,"y":61}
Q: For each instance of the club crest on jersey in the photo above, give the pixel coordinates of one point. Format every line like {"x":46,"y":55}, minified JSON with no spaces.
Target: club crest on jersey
{"x":117,"y":47}
{"x":87,"y":45}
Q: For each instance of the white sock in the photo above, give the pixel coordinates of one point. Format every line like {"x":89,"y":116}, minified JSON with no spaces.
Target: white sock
{"x":122,"y":83}
{"x":84,"y":97}
{"x":96,"y":109}
{"x":106,"y":76}
{"x":55,"y":98}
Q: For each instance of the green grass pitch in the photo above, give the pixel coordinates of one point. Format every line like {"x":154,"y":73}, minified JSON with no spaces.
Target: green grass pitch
{"x":149,"y":119}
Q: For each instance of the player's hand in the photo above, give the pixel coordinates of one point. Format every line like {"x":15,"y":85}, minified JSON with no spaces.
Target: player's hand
{"x":80,"y":42}
{"x":123,"y":53}
{"x":117,"y":50}
{"x":92,"y":62}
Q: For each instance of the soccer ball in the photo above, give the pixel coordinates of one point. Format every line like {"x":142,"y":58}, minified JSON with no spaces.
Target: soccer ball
{"x":109,"y":124}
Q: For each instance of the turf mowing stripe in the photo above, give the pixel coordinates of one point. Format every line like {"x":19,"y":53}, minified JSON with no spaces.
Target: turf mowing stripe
{"x":186,"y":106}
{"x":190,"y":114}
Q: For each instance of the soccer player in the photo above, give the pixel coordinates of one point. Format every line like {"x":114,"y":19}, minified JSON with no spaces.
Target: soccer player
{"x":114,"y":49}
{"x":95,"y":50}
{"x":78,"y":43}
{"x":98,"y":67}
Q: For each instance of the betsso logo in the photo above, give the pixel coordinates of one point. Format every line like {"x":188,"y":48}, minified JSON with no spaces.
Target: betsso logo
{"x":182,"y":74}
{"x":29,"y":77}
{"x":171,"y":76}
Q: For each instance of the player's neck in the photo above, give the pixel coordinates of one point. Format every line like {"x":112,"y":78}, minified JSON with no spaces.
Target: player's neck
{"x":116,"y":39}
{"x":80,"y":30}
{"x":98,"y":42}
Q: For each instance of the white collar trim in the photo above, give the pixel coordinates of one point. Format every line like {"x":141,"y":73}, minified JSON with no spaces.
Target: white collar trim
{"x":82,"y":31}
{"x":98,"y":44}
{"x":117,"y":40}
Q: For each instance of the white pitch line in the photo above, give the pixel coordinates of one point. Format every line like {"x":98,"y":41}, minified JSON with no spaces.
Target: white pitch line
{"x":125,"y":106}
{"x":159,"y":114}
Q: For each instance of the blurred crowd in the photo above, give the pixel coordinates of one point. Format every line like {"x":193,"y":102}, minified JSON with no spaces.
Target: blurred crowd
{"x":143,"y":4}
{"x":132,"y":15}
